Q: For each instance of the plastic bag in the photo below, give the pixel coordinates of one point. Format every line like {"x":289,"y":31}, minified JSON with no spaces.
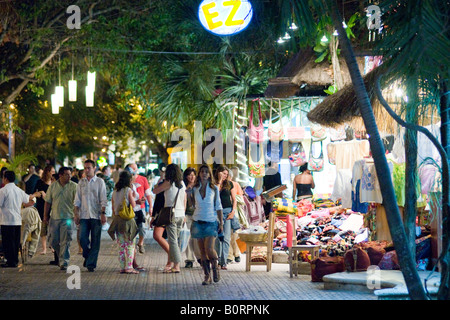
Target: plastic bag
{"x":184,"y":237}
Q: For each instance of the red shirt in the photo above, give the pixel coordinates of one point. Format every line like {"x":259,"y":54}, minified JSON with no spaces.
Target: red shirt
{"x":143,"y":186}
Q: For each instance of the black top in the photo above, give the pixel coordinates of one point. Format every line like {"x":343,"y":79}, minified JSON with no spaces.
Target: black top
{"x":225,"y":197}
{"x":271,"y":180}
{"x":41,"y":186}
{"x":159,"y":202}
{"x":30,"y":185}
{"x":304,"y":189}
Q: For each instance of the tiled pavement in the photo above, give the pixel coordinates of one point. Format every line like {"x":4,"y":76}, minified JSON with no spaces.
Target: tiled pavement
{"x":37,"y":280}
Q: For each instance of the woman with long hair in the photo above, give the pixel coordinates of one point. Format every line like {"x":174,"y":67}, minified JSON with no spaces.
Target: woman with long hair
{"x":192,"y":252}
{"x":175,"y":197}
{"x":125,"y":230}
{"x":208,"y":221}
{"x":42,"y":187}
{"x":228,"y":199}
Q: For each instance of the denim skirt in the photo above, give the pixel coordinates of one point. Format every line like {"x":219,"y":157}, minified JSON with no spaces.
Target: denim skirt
{"x":204,"y":229}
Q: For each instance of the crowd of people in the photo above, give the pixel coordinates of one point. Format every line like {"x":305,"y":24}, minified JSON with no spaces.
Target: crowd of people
{"x":88,"y":201}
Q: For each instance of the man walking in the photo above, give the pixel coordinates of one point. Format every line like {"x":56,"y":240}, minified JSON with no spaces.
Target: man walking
{"x":11,"y":200}
{"x":60,"y":197}
{"x":90,"y":203}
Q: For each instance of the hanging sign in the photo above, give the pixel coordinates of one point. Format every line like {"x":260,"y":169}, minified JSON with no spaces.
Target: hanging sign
{"x":225,"y":17}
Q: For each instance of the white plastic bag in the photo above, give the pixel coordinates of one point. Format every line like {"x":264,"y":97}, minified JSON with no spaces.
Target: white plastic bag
{"x":184,"y":237}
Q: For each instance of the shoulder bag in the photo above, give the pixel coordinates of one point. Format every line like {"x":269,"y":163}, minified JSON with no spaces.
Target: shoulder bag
{"x":318,"y":133}
{"x":126,"y":212}
{"x":256,"y":134}
{"x":295,"y":134}
{"x":165,"y":216}
{"x":256,"y":169}
{"x":316,"y":164}
{"x":275,"y":134}
{"x":298,"y":157}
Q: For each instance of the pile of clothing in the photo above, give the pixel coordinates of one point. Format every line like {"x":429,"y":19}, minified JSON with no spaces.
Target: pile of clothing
{"x":335,"y":231}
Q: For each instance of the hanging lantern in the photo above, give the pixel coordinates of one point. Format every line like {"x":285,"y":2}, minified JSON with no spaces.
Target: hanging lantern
{"x":91,"y":80}
{"x":72,"y":90}
{"x":89,"y":96}
{"x":55,"y":105}
{"x":59,"y":91}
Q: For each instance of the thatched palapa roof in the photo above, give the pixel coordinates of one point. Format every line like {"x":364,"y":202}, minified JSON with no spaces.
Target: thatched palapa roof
{"x":303,"y":77}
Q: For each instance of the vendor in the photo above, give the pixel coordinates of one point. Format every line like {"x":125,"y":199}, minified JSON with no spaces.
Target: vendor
{"x":303,"y":183}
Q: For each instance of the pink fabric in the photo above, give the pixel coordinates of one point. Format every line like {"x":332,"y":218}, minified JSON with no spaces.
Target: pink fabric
{"x":256,"y":134}
{"x":289,"y":232}
{"x":320,"y":213}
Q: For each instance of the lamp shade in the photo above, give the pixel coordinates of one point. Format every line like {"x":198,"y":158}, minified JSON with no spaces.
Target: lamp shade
{"x":72,"y":90}
{"x":59,"y":91}
{"x":55,"y":105}
{"x":89,"y":96}
{"x":91,"y":80}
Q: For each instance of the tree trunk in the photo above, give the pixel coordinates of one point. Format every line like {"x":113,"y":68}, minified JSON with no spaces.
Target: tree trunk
{"x":410,"y":211}
{"x":407,"y":264}
{"x":444,"y":289}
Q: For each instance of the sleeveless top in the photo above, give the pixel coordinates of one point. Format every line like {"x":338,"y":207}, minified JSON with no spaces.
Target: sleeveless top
{"x":303,"y":189}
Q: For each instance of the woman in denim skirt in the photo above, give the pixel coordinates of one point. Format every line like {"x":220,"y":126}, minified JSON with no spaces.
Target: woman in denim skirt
{"x":207,"y":221}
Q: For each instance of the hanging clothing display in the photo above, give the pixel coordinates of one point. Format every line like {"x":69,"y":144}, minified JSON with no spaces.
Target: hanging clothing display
{"x":345,"y":153}
{"x":365,"y":186}
{"x":425,"y":149}
{"x":342,"y":188}
{"x":399,"y":186}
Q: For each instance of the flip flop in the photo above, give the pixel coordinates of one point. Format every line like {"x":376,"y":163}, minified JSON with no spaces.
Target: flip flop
{"x":132,"y":271}
{"x":175,"y":271}
{"x":139,"y":268}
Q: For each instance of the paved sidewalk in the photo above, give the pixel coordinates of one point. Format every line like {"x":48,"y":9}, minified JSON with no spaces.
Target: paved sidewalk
{"x":37,"y":280}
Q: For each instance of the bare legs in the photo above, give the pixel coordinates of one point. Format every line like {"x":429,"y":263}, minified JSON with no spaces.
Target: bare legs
{"x":158,"y":236}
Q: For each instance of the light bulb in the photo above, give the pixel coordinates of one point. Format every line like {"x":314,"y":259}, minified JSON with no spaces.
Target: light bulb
{"x":286,"y":36}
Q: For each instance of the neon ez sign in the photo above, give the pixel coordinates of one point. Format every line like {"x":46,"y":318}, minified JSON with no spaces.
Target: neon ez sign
{"x":225,"y":17}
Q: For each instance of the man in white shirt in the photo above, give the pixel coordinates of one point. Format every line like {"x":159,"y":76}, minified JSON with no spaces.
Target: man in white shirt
{"x":11,"y":200}
{"x":90,"y":204}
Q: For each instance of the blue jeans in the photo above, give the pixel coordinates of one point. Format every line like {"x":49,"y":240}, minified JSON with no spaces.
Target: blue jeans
{"x":223,"y":247}
{"x":90,"y":228}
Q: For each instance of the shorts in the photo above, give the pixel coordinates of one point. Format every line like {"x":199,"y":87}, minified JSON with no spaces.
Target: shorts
{"x":204,"y":229}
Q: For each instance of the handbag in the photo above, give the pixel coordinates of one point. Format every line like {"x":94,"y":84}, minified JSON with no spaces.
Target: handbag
{"x":337,"y":134}
{"x":298,"y":157}
{"x":316,"y":164}
{"x":126,"y":212}
{"x":256,"y":134}
{"x":318,"y":133}
{"x":275,"y":134}
{"x":256,"y":169}
{"x":295,"y":134}
{"x":165,"y":216}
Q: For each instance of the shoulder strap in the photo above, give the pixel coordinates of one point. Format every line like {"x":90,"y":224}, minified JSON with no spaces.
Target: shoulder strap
{"x":176,"y":197}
